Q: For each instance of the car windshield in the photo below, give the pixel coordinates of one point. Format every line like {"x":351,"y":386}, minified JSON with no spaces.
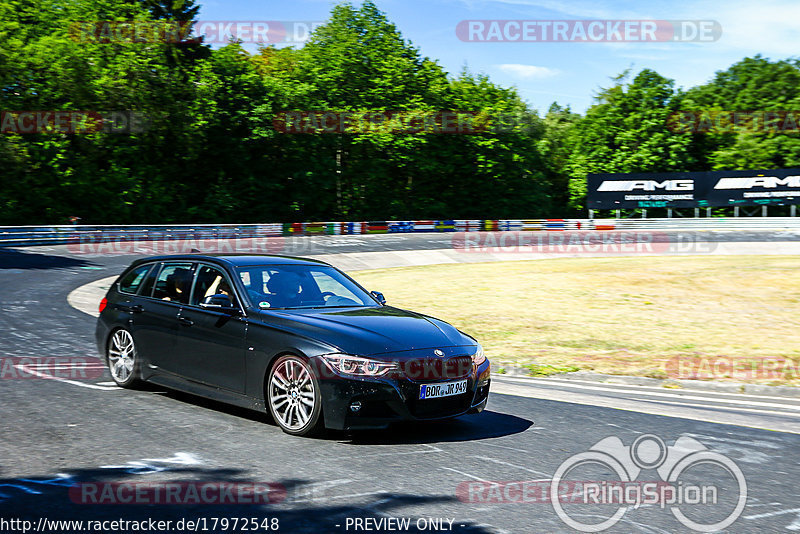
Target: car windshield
{"x":301,"y":286}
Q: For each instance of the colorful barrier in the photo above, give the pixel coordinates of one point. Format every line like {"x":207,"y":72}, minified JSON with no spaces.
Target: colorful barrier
{"x":66,"y":234}
{"x":424,"y":226}
{"x":445,"y":226}
{"x":398,"y":227}
{"x":472,"y":225}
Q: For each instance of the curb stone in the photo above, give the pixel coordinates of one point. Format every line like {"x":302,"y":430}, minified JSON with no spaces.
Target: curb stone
{"x":690,"y":385}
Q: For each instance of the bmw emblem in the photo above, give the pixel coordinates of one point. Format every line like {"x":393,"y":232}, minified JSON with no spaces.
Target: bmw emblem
{"x":439,"y":353}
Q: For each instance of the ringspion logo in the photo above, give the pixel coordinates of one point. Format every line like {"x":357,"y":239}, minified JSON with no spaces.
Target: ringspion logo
{"x":649,"y":452}
{"x":682,"y":478}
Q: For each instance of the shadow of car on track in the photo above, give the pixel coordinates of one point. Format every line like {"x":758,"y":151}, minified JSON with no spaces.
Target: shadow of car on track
{"x":485,"y":425}
{"x":299,"y":506}
{"x":16,"y":259}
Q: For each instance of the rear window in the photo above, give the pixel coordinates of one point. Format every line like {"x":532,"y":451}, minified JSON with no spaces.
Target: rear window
{"x":130,"y":282}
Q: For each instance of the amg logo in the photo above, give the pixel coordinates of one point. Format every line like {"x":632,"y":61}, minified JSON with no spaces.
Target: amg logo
{"x":646,"y":185}
{"x":757,"y":181}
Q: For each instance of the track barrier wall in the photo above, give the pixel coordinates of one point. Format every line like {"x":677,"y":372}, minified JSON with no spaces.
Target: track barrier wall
{"x":67,"y":234}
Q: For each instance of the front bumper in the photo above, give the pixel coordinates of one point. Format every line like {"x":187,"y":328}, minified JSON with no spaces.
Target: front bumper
{"x":388,"y":400}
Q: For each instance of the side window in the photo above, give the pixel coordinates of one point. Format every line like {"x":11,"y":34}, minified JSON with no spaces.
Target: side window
{"x":174,"y":282}
{"x":131,"y":282}
{"x":210,"y":281}
{"x":150,"y":281}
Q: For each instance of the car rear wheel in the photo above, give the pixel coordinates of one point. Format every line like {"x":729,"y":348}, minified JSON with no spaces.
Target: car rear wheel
{"x":294,"y":398}
{"x":121,"y":358}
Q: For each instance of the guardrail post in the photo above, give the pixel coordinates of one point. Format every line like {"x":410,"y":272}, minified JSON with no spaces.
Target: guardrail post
{"x":708,"y":212}
{"x":736,"y":211}
{"x":618,"y":214}
{"x":696,"y":213}
{"x":763,"y":211}
{"x":793,"y":210}
{"x":644,"y":214}
{"x":669,"y":213}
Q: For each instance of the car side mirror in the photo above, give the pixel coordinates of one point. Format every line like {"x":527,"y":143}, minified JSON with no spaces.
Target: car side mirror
{"x":221,"y":303}
{"x":379,"y":297}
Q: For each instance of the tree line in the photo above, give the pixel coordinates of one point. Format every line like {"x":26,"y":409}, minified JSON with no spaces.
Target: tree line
{"x":195,"y":134}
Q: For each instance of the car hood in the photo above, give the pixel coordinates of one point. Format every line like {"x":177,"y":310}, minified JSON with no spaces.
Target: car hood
{"x":370,"y":330}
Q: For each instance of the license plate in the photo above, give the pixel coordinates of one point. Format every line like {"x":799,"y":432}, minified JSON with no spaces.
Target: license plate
{"x":445,"y":389}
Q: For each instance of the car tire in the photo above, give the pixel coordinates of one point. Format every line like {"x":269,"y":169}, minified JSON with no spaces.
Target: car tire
{"x":122,"y":359}
{"x":293,"y":396}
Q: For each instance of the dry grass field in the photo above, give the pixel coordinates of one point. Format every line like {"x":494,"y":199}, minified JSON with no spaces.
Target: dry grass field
{"x":727,"y":318}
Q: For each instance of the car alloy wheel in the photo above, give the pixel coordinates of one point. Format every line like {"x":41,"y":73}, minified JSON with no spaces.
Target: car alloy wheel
{"x":293,"y":396}
{"x":121,"y":358}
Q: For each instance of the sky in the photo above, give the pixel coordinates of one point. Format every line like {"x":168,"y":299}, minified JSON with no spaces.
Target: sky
{"x":571,"y":70}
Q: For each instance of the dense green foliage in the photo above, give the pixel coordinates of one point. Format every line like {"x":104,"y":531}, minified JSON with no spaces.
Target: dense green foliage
{"x":210,"y":151}
{"x":631,"y":127}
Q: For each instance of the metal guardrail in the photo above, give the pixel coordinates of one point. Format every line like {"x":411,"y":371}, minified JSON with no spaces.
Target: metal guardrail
{"x":66,"y":234}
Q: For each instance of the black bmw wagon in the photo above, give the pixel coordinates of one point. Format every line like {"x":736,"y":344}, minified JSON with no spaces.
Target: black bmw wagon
{"x":296,"y":337}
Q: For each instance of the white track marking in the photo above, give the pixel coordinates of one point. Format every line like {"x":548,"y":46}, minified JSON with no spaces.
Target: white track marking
{"x":632,"y":404}
{"x":146,"y":465}
{"x":500,"y":462}
{"x":681,"y":396}
{"x":65,"y":380}
{"x":773,"y":514}
{"x":635,"y":387}
{"x":462,"y":473}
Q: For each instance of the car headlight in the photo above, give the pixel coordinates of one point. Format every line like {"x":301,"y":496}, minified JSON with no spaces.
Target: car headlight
{"x":346,"y":364}
{"x":479,"y":357}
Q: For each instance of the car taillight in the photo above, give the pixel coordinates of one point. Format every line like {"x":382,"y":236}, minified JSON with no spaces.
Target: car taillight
{"x":103,"y":304}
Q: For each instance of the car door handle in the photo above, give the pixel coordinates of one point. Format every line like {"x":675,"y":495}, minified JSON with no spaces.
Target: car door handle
{"x":186,"y":321}
{"x":132,"y":309}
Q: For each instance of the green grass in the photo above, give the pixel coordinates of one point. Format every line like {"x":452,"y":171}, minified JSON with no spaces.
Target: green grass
{"x":535,"y":369}
{"x":624,"y":315}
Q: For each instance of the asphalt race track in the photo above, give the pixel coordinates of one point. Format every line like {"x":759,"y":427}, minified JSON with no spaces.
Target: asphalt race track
{"x":57,"y":434}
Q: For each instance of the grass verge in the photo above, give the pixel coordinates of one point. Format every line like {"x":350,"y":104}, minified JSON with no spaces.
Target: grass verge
{"x":723,"y":318}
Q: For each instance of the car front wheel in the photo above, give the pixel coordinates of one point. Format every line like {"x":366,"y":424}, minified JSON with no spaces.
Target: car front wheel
{"x":294,"y":398}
